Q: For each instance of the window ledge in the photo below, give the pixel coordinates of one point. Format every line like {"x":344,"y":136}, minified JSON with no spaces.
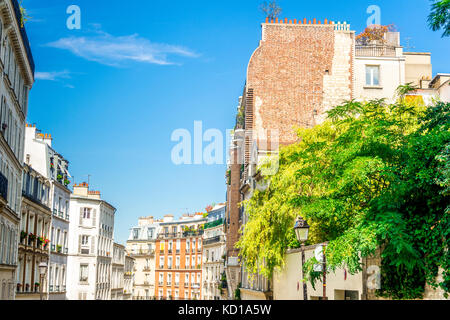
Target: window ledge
{"x":373,"y":87}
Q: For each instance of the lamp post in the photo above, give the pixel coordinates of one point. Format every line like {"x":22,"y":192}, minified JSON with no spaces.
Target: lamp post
{"x":42,"y":272}
{"x":301,"y":229}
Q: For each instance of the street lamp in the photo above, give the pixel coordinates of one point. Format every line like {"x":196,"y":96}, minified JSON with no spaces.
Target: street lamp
{"x":301,"y":229}
{"x":42,"y":272}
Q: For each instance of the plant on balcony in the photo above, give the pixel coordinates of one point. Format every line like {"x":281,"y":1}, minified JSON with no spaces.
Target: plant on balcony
{"x":374,"y":34}
{"x":19,"y":286}
{"x":228,"y":177}
{"x":66,"y":182}
{"x":59,"y":177}
{"x":23,"y":236}
{"x":46,"y":242}
{"x":59,"y":248}
{"x":39,"y":241}
{"x":31,"y":238}
{"x":27,"y":287}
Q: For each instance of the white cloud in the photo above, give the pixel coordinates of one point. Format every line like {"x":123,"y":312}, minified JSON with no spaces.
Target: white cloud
{"x":52,"y":76}
{"x":114,"y":51}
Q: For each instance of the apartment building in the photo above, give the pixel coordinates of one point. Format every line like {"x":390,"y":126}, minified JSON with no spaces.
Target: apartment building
{"x":91,"y":235}
{"x":128,"y":278}
{"x":118,"y":271}
{"x":17,"y":68}
{"x":300,"y":70}
{"x":178,"y":257}
{"x":34,"y":241}
{"x":141,"y":247}
{"x":213,"y":269}
{"x":40,"y":155}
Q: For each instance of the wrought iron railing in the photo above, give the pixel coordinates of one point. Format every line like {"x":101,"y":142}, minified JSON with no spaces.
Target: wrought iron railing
{"x":23,"y":32}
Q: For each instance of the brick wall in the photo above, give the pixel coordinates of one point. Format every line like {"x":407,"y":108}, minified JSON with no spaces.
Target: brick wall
{"x":298,"y":72}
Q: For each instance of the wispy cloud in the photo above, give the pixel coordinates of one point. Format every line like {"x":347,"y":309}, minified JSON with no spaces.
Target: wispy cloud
{"x":110,"y":50}
{"x":52,"y":76}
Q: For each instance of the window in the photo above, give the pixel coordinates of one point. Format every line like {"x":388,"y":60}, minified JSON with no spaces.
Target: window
{"x":135,"y":234}
{"x":161,"y":262}
{"x":84,"y":240}
{"x":186,"y":279}
{"x":86,"y":213}
{"x":372,"y":75}
{"x":84,"y":269}
{"x":150,"y":233}
{"x":187,"y":262}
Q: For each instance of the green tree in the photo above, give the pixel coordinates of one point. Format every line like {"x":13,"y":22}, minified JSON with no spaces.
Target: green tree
{"x":371,"y":176}
{"x":439,"y":17}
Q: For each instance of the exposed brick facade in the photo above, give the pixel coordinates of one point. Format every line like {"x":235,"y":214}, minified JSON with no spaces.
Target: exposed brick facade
{"x":298,"y":72}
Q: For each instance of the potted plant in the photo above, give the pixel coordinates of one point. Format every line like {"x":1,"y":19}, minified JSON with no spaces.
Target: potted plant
{"x":23,"y":236}
{"x":31,"y":238}
{"x":59,"y":177}
{"x":66,"y":182}
{"x":27,"y":287}
{"x":36,"y":286}
{"x":19,"y":286}
{"x":40,"y":241}
{"x":46,"y":242}
{"x":59,"y":248}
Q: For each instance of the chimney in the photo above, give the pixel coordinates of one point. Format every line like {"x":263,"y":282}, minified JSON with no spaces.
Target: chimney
{"x":81,"y":189}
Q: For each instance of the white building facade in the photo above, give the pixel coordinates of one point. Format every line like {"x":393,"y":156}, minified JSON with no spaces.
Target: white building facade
{"x":91,"y":241}
{"x":17,"y":69}
{"x":40,"y":155}
{"x":118,"y":270}
{"x":214,"y":253}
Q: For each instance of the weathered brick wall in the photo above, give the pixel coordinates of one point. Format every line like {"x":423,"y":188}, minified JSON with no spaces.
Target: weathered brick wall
{"x":234,"y":198}
{"x":297,"y":72}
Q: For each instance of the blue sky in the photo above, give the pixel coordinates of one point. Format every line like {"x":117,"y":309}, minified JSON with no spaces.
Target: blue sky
{"x":112,"y":93}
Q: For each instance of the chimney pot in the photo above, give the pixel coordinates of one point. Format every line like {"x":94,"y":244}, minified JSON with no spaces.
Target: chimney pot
{"x":267,"y":19}
{"x":314,"y":21}
{"x":276,"y":20}
{"x":304,"y":21}
{"x":285,"y":20}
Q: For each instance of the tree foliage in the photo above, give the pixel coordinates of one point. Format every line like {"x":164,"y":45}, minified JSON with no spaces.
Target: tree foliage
{"x":439,"y":17}
{"x":373,"y":175}
{"x":271,"y":9}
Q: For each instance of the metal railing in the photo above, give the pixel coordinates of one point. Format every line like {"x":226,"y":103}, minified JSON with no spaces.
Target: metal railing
{"x":375,"y":51}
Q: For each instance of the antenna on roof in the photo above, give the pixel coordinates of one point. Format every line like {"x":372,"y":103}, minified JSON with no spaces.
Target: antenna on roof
{"x":408,"y":46}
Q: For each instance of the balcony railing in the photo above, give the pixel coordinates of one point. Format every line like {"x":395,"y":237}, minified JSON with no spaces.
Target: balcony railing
{"x":23,"y":33}
{"x":375,"y":51}
{"x":212,"y":240}
{"x":3,"y":186}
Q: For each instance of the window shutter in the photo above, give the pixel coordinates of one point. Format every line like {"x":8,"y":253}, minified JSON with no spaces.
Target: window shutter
{"x":94,"y":217}
{"x":79,"y":243}
{"x":92,"y":245}
{"x":81,"y":216}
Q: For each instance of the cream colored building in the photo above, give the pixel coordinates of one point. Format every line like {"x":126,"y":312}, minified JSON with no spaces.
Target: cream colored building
{"x":17,"y":69}
{"x":128,"y":278}
{"x":35,"y":232}
{"x":213,"y":254}
{"x":141,"y":247}
{"x":91,"y":238}
{"x":118,"y":271}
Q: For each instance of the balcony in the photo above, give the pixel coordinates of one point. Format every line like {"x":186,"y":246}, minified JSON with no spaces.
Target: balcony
{"x":212,"y":240}
{"x":375,"y":51}
{"x":143,"y":253}
{"x":3,"y":186}
{"x":23,"y":33}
